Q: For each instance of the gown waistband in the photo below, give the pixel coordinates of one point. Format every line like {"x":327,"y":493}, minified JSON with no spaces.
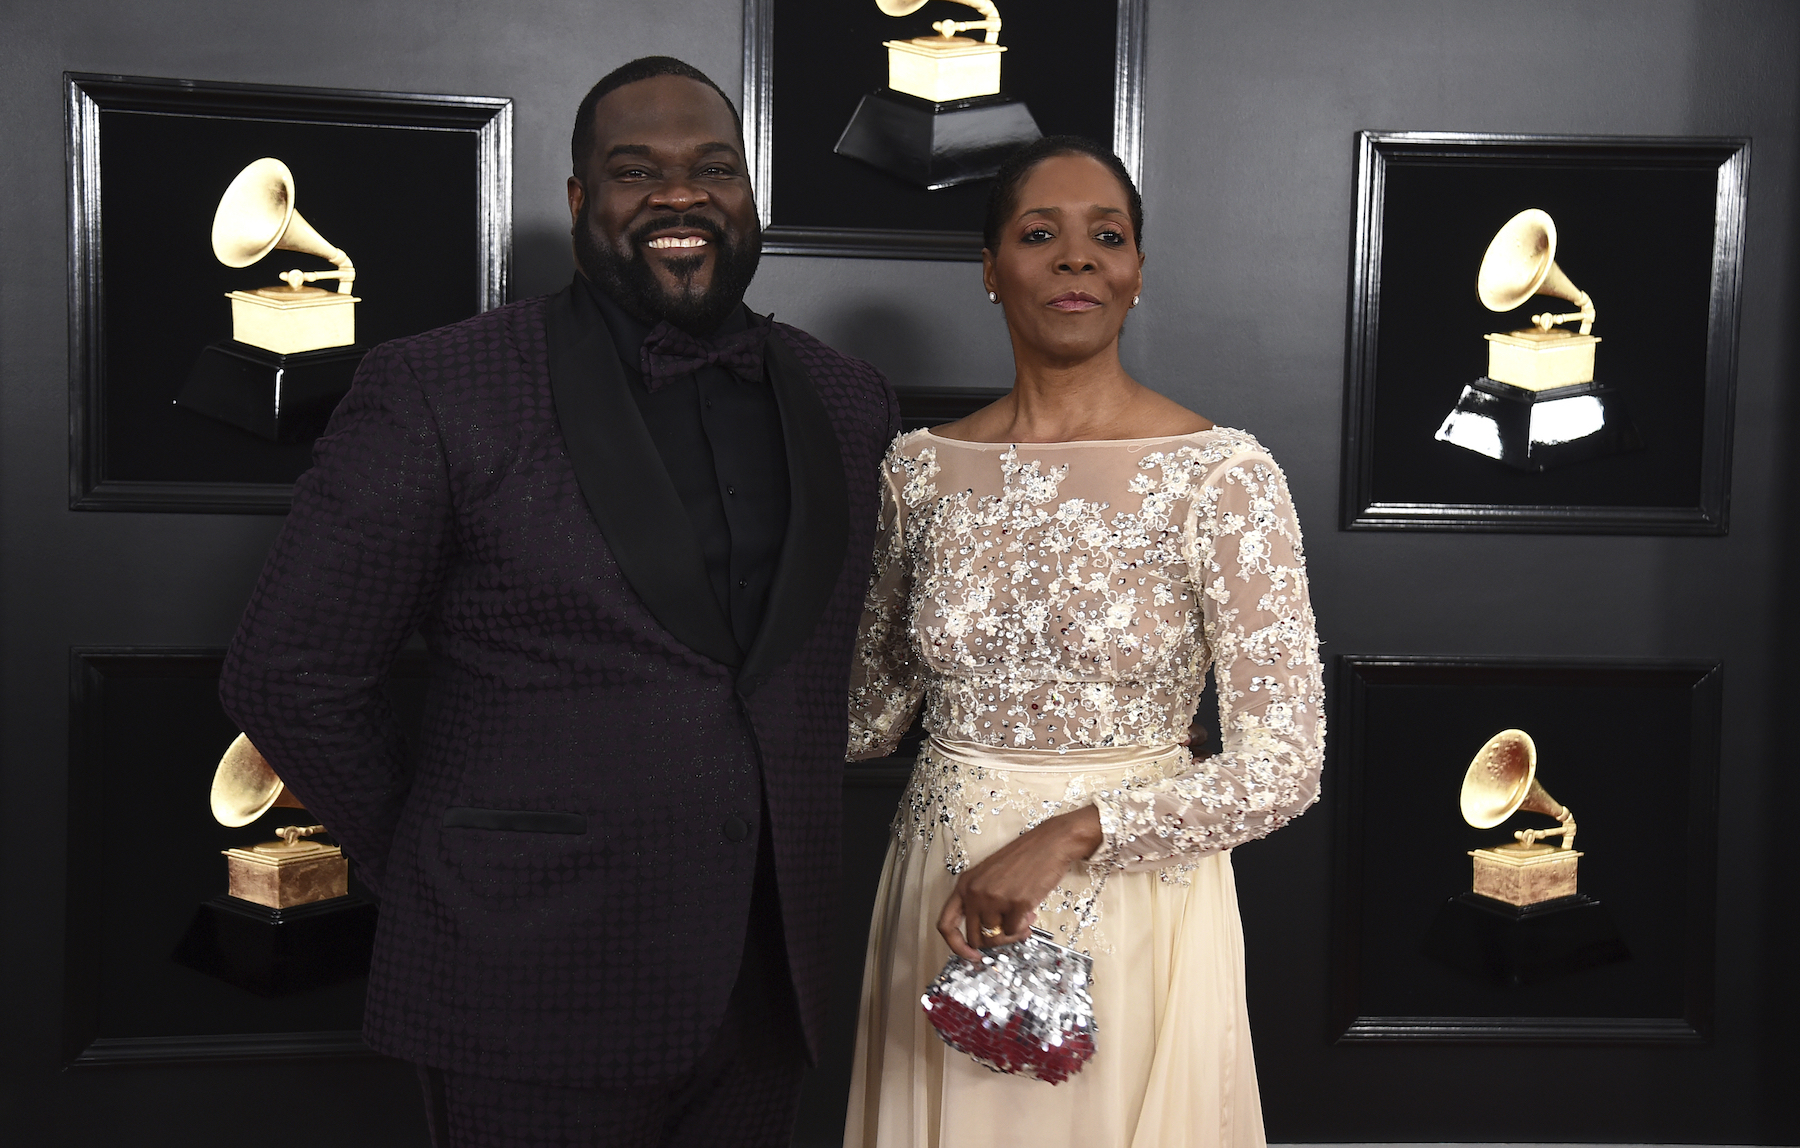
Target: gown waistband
{"x":1078,"y":760}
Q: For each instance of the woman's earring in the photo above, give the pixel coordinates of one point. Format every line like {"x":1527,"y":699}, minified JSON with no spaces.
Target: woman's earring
{"x":993,"y":296}
{"x":1134,"y":299}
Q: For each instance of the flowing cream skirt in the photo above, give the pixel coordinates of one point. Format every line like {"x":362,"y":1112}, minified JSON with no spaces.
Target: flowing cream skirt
{"x":1173,"y":1067}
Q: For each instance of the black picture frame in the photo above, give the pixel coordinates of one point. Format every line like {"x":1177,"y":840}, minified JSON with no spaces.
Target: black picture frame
{"x":814,"y":202}
{"x":1653,"y":228}
{"x":145,"y":733}
{"x":1631,"y":746}
{"x":417,"y":188}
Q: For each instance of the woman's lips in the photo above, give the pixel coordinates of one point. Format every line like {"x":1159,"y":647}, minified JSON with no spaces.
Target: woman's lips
{"x":1074,"y":301}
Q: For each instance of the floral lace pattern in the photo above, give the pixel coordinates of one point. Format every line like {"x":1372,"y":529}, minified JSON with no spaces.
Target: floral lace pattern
{"x":1073,"y":595}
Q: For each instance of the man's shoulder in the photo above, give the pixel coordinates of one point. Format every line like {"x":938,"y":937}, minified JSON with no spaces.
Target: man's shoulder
{"x":820,"y":357}
{"x":517,"y":328}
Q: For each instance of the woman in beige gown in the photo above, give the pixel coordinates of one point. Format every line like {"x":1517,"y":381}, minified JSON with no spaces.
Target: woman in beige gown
{"x":1054,"y":577}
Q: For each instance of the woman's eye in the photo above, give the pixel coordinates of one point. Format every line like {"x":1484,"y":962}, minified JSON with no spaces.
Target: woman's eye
{"x":1112,"y":238}
{"x":1038,"y":235}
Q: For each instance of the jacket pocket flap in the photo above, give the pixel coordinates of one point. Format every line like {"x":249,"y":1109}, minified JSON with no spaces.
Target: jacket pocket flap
{"x":514,"y":820}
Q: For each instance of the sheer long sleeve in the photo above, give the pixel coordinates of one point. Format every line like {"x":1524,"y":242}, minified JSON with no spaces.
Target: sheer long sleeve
{"x":886,"y":681}
{"x":1246,"y":562}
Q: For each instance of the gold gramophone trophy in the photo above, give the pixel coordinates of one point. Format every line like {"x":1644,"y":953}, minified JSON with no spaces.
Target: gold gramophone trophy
{"x":1523,"y":920}
{"x":288,"y":921}
{"x":292,"y":353}
{"x":1501,"y":781}
{"x":1539,"y":405}
{"x":282,"y":873}
{"x":942,"y":119}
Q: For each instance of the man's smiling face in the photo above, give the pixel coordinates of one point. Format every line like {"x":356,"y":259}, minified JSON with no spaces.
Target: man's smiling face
{"x":663,"y":219}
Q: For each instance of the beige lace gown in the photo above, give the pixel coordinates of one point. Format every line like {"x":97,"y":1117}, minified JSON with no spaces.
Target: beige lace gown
{"x":1056,"y":607}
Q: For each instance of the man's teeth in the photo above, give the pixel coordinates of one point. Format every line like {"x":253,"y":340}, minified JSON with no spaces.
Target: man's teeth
{"x":666,"y":241}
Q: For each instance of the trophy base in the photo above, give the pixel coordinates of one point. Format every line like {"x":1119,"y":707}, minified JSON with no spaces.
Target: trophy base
{"x":287,"y":877}
{"x":1514,"y":945}
{"x":935,"y":146}
{"x":1542,"y":429}
{"x":279,"y":952}
{"x":282,"y":398}
{"x":1525,"y":874}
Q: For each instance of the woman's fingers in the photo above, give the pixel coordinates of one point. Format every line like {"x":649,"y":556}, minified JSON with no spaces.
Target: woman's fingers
{"x":950,"y":927}
{"x":995,"y":902}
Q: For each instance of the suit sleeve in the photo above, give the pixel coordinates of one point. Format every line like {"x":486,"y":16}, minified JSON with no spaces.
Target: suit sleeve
{"x":357,"y":567}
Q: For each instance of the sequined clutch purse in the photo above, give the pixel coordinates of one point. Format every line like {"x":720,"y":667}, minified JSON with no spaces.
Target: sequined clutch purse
{"x":1024,"y":1009}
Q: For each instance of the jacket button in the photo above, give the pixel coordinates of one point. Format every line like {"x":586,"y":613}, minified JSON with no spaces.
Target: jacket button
{"x":735,"y":829}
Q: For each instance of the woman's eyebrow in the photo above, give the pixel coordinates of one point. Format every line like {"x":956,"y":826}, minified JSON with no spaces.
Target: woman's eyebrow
{"x":1058,"y":210}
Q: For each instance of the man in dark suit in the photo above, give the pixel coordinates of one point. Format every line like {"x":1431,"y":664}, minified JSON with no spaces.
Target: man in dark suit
{"x":633,"y":523}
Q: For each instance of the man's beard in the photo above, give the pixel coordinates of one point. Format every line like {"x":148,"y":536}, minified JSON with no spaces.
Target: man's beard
{"x":630,"y":282}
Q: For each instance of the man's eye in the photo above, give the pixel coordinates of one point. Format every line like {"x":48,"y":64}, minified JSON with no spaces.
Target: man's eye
{"x":717,"y":171}
{"x":631,"y":173}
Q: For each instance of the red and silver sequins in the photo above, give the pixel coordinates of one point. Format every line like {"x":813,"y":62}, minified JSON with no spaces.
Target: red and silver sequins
{"x":1025,"y":1009}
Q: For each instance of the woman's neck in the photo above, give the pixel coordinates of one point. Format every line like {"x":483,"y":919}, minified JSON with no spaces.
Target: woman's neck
{"x":1085,"y":400}
{"x":1052,"y":405}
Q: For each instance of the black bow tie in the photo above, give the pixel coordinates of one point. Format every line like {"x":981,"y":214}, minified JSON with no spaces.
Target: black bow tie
{"x":669,"y":352}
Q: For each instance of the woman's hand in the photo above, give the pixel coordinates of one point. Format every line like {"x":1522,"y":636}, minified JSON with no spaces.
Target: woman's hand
{"x":1004,"y":891}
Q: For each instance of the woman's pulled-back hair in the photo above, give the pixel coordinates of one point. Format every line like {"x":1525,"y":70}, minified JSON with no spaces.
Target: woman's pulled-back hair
{"x":1003,"y":199}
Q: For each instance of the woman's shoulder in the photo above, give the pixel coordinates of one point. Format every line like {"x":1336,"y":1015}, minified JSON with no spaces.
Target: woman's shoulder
{"x":907,"y":445}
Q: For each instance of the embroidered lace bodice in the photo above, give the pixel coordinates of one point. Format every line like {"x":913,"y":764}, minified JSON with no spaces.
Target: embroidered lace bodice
{"x":1059,"y":596}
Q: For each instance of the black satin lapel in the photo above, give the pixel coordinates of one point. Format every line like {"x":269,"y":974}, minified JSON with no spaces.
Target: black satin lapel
{"x":818,"y":518}
{"x":625,"y":484}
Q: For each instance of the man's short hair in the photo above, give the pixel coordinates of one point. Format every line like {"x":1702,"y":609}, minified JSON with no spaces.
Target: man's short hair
{"x":581,"y":141}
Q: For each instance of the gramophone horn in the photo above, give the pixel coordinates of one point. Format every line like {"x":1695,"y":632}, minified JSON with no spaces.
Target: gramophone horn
{"x":1503,"y":780}
{"x":1521,"y":262}
{"x":244,"y":787}
{"x":899,"y":7}
{"x":256,"y":216}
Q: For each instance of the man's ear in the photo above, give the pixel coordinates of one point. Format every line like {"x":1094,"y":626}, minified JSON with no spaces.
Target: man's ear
{"x":577,"y":200}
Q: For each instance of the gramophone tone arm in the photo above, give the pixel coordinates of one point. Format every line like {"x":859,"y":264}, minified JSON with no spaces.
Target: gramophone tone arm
{"x":293,"y":833}
{"x":990,"y":21}
{"x":1566,"y":831}
{"x":345,"y":273}
{"x":1586,"y":315}
{"x":296,"y":277}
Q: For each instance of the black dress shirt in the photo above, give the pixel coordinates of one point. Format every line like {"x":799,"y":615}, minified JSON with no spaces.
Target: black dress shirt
{"x":720,"y":440}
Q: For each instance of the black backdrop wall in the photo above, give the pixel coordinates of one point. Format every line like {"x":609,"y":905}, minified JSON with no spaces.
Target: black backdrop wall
{"x":1252,"y":111}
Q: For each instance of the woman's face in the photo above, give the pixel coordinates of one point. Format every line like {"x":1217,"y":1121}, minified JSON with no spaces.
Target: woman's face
{"x":1068,"y":265}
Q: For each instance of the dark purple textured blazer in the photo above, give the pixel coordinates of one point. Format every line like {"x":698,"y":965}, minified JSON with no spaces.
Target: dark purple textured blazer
{"x":565,"y":858}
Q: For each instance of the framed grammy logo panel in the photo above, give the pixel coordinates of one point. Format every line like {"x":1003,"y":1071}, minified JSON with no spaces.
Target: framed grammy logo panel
{"x":874,"y":126}
{"x":235,"y":249}
{"x":1542,"y":333}
{"x":1467,"y":907}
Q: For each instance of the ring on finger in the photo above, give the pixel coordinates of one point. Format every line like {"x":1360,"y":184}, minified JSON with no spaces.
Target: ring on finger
{"x":991,"y":931}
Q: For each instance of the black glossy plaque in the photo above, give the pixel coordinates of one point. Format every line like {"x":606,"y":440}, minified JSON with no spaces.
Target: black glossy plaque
{"x":1540,"y":430}
{"x":281,"y":398}
{"x":280,"y":952}
{"x":1518,"y":945}
{"x":933,"y":146}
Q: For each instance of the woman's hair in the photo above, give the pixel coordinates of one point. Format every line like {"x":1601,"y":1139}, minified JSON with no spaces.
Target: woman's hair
{"x":1003,"y":200}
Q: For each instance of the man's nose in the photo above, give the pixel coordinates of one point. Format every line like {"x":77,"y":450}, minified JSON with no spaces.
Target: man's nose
{"x":678,"y":194}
